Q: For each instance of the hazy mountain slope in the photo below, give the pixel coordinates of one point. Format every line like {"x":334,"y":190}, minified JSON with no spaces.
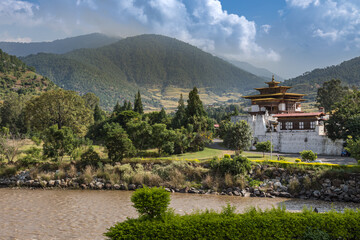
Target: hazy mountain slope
{"x":348,"y":72}
{"x":15,"y":76}
{"x":93,"y":40}
{"x":116,"y":71}
{"x":261,"y":72}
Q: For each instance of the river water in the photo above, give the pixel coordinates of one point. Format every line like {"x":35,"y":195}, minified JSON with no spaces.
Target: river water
{"x":85,"y":214}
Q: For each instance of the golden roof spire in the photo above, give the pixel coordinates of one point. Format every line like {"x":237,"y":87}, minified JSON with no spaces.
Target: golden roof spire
{"x":273,"y":79}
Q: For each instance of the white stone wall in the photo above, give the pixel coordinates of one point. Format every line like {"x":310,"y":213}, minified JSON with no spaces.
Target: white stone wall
{"x":292,"y":141}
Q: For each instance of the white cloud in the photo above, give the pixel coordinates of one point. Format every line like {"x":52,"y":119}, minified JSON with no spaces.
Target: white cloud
{"x":16,"y":11}
{"x":266,"y":28}
{"x":303,"y":3}
{"x":202,"y":23}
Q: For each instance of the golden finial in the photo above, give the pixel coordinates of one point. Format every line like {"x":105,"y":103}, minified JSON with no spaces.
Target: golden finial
{"x":273,"y":79}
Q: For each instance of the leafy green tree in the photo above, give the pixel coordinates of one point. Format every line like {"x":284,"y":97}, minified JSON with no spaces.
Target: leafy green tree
{"x":139,"y":133}
{"x":117,"y":142}
{"x":330,"y":93}
{"x":224,"y":128}
{"x":238,"y":136}
{"x":182,"y":141}
{"x":179,"y":119}
{"x":151,"y":202}
{"x":12,"y":113}
{"x":195,"y":106}
{"x":117,"y":108}
{"x":99,"y":114}
{"x":138,"y":107}
{"x":91,"y":100}
{"x":60,"y":107}
{"x":162,"y":138}
{"x":89,"y":158}
{"x":264,"y":147}
{"x":308,"y":155}
{"x":353,"y":147}
{"x":59,"y":142}
{"x":345,"y":120}
{"x":125,"y":116}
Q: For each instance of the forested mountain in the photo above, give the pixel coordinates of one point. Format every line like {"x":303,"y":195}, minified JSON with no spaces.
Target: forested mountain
{"x":261,"y":72}
{"x":348,"y":72}
{"x":16,"y":77}
{"x":93,"y":40}
{"x":115,"y":72}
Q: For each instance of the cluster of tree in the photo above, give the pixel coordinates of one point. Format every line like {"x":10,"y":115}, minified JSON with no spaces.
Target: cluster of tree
{"x":128,"y":131}
{"x":223,"y":112}
{"x":64,"y":120}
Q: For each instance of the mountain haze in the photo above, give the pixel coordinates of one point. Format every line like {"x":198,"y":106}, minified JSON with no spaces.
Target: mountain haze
{"x":93,"y":40}
{"x":115,"y":72}
{"x":348,"y":72}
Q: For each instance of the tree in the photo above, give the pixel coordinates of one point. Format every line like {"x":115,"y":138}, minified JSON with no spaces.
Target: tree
{"x":59,"y":142}
{"x":308,"y":155}
{"x":162,"y":138}
{"x":125,"y":116}
{"x":117,"y":108}
{"x":151,"y":202}
{"x":179,"y":119}
{"x":10,"y":144}
{"x":330,"y":93}
{"x":60,"y":107}
{"x":238,"y":136}
{"x":353,"y":147}
{"x":138,"y":107}
{"x":195,"y":106}
{"x":139,"y":133}
{"x":99,"y":114}
{"x":12,"y":113}
{"x":264,"y":147}
{"x":345,"y":121}
{"x":91,"y":100}
{"x":117,"y":142}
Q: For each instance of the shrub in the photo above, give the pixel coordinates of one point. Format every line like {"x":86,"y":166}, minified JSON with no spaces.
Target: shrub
{"x":298,"y":160}
{"x":89,"y":158}
{"x":264,"y":147}
{"x":308,"y":155}
{"x":238,"y":165}
{"x":151,"y":202}
{"x":255,"y":224}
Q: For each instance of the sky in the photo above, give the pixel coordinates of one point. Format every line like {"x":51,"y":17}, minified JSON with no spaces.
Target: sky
{"x":288,"y":37}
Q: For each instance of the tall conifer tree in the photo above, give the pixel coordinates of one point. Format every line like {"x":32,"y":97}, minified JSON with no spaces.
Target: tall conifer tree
{"x":138,"y":107}
{"x":195,"y":107}
{"x":180,"y":115}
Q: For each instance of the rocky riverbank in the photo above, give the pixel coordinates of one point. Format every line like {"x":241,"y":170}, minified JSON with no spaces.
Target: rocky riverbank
{"x":272,"y":182}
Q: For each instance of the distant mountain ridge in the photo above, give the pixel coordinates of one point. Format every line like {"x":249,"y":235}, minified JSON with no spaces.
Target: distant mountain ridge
{"x":348,"y":72}
{"x":115,"y":72}
{"x":93,"y":40}
{"x":261,"y":72}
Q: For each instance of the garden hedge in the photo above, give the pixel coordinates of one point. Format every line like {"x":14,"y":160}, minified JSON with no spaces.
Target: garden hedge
{"x":273,"y":224}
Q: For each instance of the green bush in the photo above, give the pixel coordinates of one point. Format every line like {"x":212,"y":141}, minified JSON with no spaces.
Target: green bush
{"x":308,"y":155}
{"x":89,"y":158}
{"x":298,"y":160}
{"x":151,"y":202}
{"x":254,"y":224}
{"x":238,"y":165}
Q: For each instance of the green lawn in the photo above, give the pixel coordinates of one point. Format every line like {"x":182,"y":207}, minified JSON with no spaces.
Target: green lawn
{"x":259,"y":156}
{"x":207,"y":153}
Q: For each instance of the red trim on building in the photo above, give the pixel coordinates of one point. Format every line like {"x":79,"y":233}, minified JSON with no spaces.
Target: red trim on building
{"x":313,"y":114}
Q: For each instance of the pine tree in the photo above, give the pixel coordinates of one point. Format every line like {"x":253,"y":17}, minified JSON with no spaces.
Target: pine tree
{"x":138,"y":107}
{"x":180,"y":115}
{"x":117,"y":108}
{"x":162,"y":117}
{"x":128,"y":106}
{"x":195,"y":107}
{"x":99,"y":114}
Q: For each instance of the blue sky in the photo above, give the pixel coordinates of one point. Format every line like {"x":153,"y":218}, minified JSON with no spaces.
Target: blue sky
{"x":288,"y":37}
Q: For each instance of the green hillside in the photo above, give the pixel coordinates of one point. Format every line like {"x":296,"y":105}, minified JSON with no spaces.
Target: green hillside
{"x":15,"y":76}
{"x":348,"y":72}
{"x":144,"y":62}
{"x":93,"y":40}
